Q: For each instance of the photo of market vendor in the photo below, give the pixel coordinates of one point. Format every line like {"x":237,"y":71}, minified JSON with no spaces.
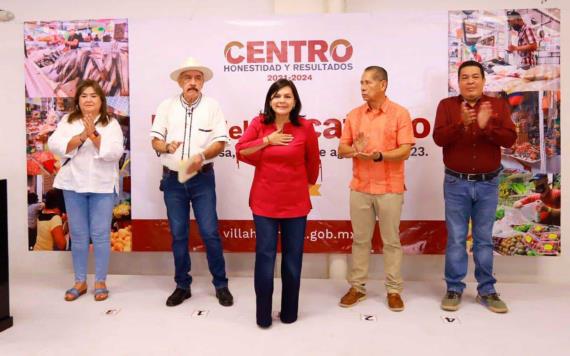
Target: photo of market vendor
{"x":73,"y":39}
{"x":508,"y":45}
{"x":547,"y":199}
{"x":60,"y":54}
{"x":527,"y":43}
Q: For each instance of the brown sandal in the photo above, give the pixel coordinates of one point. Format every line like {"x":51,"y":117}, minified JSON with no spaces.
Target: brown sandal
{"x":101,"y":294}
{"x":74,"y":293}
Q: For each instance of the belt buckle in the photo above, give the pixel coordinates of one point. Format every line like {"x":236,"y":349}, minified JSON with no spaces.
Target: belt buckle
{"x":469,"y":178}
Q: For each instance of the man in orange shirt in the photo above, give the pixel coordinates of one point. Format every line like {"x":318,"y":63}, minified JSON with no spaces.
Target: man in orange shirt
{"x":378,"y":136}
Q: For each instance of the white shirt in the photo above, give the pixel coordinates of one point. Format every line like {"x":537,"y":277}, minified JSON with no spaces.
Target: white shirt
{"x":88,"y":170}
{"x":196,"y":126}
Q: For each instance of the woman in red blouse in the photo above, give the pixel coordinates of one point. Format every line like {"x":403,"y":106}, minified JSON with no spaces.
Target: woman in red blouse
{"x":284,"y":149}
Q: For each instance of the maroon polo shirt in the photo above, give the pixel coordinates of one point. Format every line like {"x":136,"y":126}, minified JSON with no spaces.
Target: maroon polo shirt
{"x":472,"y":150}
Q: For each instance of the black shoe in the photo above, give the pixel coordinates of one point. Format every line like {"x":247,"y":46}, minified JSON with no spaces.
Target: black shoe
{"x":224,"y":296}
{"x":178,"y":296}
{"x":264,"y":326}
{"x":287,"y":321}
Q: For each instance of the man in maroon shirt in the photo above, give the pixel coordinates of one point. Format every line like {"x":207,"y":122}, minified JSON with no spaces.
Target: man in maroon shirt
{"x":471,"y":128}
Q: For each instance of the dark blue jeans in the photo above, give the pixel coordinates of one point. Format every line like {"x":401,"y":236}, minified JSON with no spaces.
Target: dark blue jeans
{"x":292,"y":240}
{"x":478,"y":201}
{"x":200,"y":191}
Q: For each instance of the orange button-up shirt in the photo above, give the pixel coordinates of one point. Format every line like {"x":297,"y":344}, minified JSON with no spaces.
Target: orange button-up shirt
{"x":386,"y":129}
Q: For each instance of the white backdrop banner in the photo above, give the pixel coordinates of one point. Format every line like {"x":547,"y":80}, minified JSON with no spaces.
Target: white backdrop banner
{"x":325,"y":57}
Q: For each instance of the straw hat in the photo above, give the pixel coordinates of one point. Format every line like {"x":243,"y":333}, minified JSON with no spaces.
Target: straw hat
{"x":192,"y":64}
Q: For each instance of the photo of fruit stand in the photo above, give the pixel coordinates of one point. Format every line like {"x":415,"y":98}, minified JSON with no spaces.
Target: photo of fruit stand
{"x":520,"y":54}
{"x":525,"y":224}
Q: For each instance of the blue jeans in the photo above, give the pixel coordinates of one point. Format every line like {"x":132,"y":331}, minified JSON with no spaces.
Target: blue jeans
{"x":200,"y":191}
{"x":90,"y":216}
{"x":464,"y":200}
{"x":292,"y":240}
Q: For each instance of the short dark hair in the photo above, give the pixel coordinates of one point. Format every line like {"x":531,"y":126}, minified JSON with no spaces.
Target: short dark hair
{"x":76,"y":114}
{"x":470,"y":64}
{"x":380,"y":72}
{"x":32,"y":198}
{"x":274,"y":88}
{"x":54,"y":199}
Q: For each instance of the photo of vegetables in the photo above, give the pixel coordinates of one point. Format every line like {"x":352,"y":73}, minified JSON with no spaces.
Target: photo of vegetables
{"x":527,"y":221}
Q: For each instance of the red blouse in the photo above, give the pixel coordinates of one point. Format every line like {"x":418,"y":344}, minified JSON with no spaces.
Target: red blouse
{"x":280,"y":187}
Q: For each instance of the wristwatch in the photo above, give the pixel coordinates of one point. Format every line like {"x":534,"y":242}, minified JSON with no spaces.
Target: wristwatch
{"x":380,"y":157}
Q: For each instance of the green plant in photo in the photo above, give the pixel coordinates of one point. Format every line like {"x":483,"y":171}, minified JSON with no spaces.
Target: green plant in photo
{"x":519,"y":188}
{"x":499,"y":214}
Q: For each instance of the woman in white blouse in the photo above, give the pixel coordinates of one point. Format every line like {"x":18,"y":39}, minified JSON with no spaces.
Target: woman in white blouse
{"x":90,"y":144}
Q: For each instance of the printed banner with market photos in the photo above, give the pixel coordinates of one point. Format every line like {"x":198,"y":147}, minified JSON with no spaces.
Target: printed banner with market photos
{"x":58,"y":55}
{"x":325,"y":57}
{"x":520,"y":52}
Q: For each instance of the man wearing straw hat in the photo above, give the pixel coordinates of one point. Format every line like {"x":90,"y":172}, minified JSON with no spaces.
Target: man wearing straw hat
{"x":188,"y":132}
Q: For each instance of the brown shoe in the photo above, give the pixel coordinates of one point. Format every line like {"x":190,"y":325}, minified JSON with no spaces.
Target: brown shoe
{"x":395,"y":302}
{"x":351,"y":298}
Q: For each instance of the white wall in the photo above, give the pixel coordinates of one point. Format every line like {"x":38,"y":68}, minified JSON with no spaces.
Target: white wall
{"x":12,"y":132}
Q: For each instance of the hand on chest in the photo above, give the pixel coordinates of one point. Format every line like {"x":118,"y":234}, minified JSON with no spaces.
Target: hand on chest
{"x":279,"y":148}
{"x":378,"y":134}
